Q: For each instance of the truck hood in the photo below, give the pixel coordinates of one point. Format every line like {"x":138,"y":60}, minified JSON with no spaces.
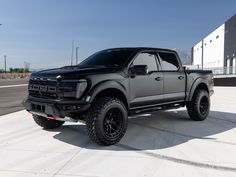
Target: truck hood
{"x":71,"y":72}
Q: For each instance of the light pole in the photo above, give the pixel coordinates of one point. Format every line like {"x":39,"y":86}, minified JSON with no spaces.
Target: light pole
{"x":5,"y":63}
{"x":5,"y":59}
{"x":77,"y":54}
{"x":72,"y":53}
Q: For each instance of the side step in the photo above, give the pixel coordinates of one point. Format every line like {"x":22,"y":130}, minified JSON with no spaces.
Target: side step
{"x":156,"y":108}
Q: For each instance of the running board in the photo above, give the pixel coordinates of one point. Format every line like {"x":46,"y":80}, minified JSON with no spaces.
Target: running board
{"x":156,"y":108}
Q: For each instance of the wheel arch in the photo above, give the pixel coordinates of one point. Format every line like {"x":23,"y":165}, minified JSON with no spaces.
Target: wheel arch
{"x":110,"y":89}
{"x":199,"y":84}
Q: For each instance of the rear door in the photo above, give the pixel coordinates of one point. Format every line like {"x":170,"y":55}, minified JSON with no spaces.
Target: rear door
{"x":174,"y":76}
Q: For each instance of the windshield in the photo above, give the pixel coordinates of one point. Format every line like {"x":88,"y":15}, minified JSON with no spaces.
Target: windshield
{"x":108,"y":58}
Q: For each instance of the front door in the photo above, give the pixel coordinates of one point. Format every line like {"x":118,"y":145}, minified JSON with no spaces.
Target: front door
{"x":146,"y":90}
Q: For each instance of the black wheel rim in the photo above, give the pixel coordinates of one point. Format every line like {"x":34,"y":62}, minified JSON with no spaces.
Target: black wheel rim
{"x":204,"y":105}
{"x":113,"y":123}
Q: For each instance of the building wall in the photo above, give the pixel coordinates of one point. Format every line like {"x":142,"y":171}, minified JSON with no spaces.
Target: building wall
{"x":197,"y":54}
{"x":230,"y":41}
{"x":212,"y":50}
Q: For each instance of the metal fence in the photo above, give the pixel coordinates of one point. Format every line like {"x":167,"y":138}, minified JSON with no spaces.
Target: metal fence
{"x":14,"y":75}
{"x":223,"y":70}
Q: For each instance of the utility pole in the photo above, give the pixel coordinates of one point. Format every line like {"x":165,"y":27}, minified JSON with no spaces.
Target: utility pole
{"x":26,"y":66}
{"x":72,"y":53}
{"x":5,"y":63}
{"x":77,"y":54}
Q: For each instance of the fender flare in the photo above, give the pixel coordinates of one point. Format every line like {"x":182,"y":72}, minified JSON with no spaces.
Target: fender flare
{"x":195,"y":84}
{"x":107,"y":85}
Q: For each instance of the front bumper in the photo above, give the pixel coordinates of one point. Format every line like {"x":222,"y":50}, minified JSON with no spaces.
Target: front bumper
{"x":55,"y":108}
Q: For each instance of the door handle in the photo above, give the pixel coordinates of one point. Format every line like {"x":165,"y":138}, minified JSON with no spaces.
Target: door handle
{"x":181,"y":77}
{"x":158,"y":78}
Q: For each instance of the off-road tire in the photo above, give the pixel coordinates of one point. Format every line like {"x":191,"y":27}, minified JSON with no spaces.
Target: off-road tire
{"x":199,"y":107}
{"x":97,"y":117}
{"x":47,"y":123}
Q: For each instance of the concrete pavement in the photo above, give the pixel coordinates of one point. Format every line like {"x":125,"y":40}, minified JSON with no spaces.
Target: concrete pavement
{"x":163,"y":144}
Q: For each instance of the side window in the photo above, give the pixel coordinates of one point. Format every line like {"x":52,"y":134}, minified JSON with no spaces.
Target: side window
{"x":148,"y":59}
{"x":169,"y":61}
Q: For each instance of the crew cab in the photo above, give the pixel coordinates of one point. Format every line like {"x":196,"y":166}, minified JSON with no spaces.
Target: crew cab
{"x":113,"y":84}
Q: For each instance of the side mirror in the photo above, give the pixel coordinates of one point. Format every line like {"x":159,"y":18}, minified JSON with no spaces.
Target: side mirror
{"x":139,"y":70}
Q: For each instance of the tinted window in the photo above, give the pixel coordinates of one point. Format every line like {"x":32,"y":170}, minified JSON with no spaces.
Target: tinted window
{"x":146,"y":59}
{"x":108,"y":58}
{"x":169,"y":61}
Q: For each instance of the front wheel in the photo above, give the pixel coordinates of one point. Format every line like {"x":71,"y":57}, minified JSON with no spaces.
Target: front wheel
{"x":107,"y":121}
{"x":199,"y":107}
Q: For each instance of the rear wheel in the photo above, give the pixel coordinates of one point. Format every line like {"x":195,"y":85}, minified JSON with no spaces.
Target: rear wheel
{"x":47,"y":123}
{"x":199,"y":107}
{"x":107,"y":121}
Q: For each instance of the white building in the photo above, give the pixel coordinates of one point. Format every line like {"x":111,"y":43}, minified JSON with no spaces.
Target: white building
{"x":218,"y":49}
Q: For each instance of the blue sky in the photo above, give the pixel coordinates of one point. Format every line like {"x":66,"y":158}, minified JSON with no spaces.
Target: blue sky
{"x":41,"y":32}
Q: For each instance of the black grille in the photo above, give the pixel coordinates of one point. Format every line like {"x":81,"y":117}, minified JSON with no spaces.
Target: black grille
{"x":38,"y":108}
{"x":43,"y":82}
{"x":43,"y":89}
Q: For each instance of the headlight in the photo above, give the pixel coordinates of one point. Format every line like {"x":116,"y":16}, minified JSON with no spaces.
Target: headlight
{"x":81,"y":87}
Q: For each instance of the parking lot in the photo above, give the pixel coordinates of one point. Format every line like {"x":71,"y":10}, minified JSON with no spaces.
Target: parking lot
{"x":166,"y":143}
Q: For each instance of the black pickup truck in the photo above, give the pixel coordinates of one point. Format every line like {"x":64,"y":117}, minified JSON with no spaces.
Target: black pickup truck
{"x":113,"y":84}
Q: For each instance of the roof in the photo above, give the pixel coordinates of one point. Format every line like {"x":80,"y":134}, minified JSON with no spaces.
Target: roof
{"x":141,"y":48}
